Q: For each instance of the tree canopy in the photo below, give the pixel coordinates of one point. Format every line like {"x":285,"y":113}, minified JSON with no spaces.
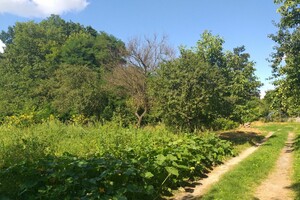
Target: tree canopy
{"x":205,"y":84}
{"x":66,"y":69}
{"x":55,"y":66}
{"x":286,"y":58}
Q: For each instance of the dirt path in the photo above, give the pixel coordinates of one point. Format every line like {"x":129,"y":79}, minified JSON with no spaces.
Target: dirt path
{"x":204,"y":184}
{"x":276,"y":186}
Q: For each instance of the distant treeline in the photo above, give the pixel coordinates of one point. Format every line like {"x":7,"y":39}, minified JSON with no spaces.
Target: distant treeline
{"x":66,"y":69}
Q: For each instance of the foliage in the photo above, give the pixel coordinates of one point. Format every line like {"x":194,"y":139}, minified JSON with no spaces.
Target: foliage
{"x":65,"y":69}
{"x":77,"y":90}
{"x":289,"y":11}
{"x":285,"y":59}
{"x":224,"y":124}
{"x":205,"y":84}
{"x":56,"y":161}
{"x":242,"y":86}
{"x":56,"y":61}
{"x":188,"y":92}
{"x":144,"y":57}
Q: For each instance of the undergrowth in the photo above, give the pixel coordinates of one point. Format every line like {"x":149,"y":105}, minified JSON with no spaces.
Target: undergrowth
{"x":57,"y":161}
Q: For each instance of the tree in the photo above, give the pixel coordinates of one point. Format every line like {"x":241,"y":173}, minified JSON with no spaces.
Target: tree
{"x":242,"y":86}
{"x":24,"y":68}
{"x":290,"y":13}
{"x":205,"y":84}
{"x":189,"y":91}
{"x":7,"y":37}
{"x":101,"y":51}
{"x":144,"y":57}
{"x":210,"y":48}
{"x":77,"y":90}
{"x":40,"y":55}
{"x":286,"y":58}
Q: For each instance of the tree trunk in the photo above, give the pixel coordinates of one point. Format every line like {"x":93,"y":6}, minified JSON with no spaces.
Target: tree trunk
{"x":140,"y":117}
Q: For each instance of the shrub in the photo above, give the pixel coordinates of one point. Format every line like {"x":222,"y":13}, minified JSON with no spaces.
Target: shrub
{"x":224,"y":124}
{"x":21,"y":120}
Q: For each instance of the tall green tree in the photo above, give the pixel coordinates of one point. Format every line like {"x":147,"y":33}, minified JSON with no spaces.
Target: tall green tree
{"x":77,"y":90}
{"x":95,"y":51}
{"x":242,"y":86}
{"x":189,"y":91}
{"x":205,"y":84}
{"x":39,"y":59}
{"x":286,"y":58}
{"x":238,"y":70}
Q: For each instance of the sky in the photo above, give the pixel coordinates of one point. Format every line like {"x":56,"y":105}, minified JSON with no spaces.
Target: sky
{"x":238,"y":22}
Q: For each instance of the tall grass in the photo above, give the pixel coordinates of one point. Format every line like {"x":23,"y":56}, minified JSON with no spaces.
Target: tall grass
{"x":55,"y":138}
{"x":53,"y":160}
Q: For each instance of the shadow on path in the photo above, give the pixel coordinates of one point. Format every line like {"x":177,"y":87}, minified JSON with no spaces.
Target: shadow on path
{"x":296,"y":186}
{"x":242,"y":137}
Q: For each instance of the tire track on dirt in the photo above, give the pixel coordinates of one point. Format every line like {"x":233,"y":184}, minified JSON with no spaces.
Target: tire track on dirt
{"x":204,"y":184}
{"x":277,"y":185}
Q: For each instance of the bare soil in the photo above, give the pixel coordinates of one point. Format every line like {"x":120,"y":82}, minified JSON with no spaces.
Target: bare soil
{"x":277,"y":185}
{"x":204,"y":184}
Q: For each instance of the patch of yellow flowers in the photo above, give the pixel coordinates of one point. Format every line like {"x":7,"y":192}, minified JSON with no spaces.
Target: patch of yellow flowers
{"x":21,"y":120}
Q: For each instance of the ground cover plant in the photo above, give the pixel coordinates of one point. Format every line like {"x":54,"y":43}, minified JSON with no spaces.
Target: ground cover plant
{"x":53,"y":160}
{"x":240,"y":183}
{"x":296,"y":167}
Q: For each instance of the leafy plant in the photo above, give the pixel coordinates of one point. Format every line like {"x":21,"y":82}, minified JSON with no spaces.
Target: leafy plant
{"x":57,"y":161}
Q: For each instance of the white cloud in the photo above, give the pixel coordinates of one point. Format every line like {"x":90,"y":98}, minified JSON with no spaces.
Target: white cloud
{"x":2,"y":45}
{"x":41,"y":8}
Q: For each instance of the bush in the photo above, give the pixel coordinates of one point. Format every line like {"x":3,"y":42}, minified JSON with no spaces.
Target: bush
{"x":21,"y":120}
{"x":224,"y":124}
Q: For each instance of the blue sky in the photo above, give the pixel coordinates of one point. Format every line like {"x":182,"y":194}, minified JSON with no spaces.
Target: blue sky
{"x":238,"y":22}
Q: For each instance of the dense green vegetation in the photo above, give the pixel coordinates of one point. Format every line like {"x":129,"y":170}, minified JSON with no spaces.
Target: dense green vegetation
{"x":65,"y":69}
{"x":225,"y":79}
{"x":55,"y":67}
{"x":285,"y":61}
{"x":250,"y":172}
{"x":84,"y":115}
{"x":57,"y":161}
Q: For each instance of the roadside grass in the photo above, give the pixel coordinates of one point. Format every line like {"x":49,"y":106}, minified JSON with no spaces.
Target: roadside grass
{"x":296,"y":167}
{"x":241,"y":182}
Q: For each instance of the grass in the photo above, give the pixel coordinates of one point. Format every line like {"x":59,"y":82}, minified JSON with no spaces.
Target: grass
{"x":296,"y":167}
{"x":241,"y":182}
